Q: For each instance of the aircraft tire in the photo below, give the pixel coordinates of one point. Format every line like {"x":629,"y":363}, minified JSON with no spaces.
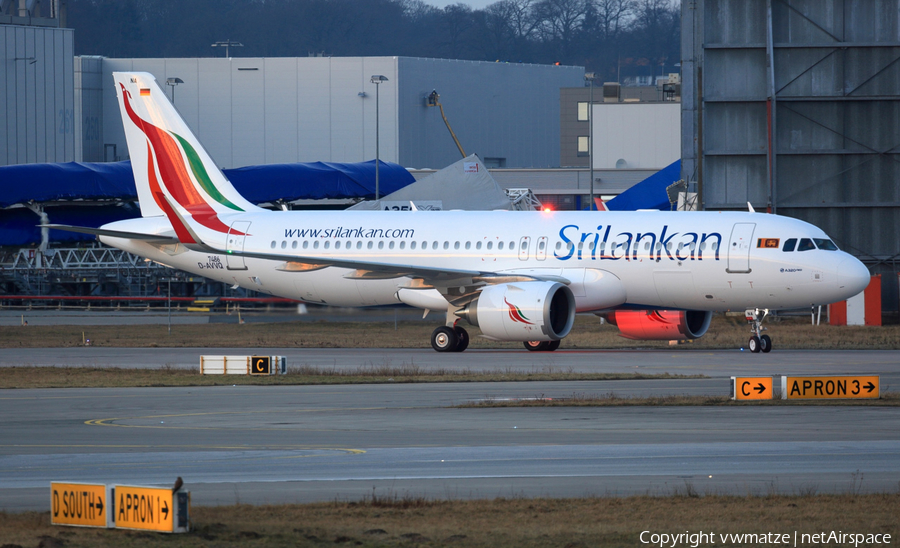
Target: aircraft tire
{"x":553,"y":345}
{"x":536,"y":346}
{"x":754,"y":344}
{"x":462,"y":339}
{"x":765,"y":343}
{"x":444,"y":339}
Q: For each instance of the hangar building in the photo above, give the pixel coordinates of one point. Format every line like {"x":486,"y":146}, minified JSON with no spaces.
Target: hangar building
{"x":251,"y":111}
{"x":795,"y":106}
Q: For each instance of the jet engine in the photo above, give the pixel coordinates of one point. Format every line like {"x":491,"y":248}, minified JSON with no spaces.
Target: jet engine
{"x":664,"y":325}
{"x":525,"y":311}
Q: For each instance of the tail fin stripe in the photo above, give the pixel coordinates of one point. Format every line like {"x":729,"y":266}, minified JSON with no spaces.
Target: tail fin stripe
{"x":201,"y":175}
{"x":164,"y":149}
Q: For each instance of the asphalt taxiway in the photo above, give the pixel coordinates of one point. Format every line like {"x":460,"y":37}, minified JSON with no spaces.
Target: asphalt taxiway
{"x":271,"y":444}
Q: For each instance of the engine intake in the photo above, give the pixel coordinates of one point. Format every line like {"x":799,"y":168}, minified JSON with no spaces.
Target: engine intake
{"x":663,"y":325}
{"x":525,"y":311}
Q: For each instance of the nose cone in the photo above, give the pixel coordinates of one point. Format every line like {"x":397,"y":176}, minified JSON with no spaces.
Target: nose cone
{"x":852,"y":276}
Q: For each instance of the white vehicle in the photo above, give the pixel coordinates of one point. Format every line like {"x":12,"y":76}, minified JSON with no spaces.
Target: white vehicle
{"x":519,"y":276}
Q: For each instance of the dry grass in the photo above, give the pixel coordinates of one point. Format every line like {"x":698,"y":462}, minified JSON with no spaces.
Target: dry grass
{"x":589,"y":332}
{"x":888,"y":399}
{"x":91,"y":377}
{"x":491,"y":523}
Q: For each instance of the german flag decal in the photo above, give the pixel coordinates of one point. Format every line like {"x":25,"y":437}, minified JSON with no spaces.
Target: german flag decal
{"x":768,"y":243}
{"x":145,"y":92}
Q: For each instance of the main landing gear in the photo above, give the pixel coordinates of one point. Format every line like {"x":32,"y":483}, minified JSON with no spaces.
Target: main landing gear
{"x":541,"y":346}
{"x":758,"y":343}
{"x":450,"y":339}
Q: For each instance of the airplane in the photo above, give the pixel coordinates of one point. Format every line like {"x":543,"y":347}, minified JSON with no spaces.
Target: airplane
{"x":518,"y":276}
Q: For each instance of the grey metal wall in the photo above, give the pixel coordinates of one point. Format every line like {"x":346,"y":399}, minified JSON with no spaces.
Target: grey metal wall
{"x":499,"y":111}
{"x":834,"y":98}
{"x":249,"y":111}
{"x":37,"y":95}
{"x":89,"y":109}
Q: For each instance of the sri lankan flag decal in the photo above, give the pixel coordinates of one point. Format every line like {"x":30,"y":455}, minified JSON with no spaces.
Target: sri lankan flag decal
{"x":515,"y":313}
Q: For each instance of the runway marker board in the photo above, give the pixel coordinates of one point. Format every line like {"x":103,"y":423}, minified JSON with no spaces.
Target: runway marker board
{"x":79,"y":504}
{"x":831,"y":387}
{"x":151,"y":509}
{"x":751,"y":388}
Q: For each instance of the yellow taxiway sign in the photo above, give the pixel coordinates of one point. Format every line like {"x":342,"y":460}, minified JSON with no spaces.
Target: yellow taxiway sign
{"x":80,"y":504}
{"x":830,"y":387}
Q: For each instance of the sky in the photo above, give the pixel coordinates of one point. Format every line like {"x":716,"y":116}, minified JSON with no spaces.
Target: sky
{"x":474,"y":4}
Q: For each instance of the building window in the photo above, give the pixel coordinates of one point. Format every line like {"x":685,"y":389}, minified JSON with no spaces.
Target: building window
{"x":584,"y":145}
{"x":582,"y":111}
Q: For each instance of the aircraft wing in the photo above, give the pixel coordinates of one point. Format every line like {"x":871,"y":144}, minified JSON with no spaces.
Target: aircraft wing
{"x":156,"y":238}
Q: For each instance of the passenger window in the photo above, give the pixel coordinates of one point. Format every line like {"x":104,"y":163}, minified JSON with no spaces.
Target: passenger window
{"x":305,"y":244}
{"x":273,"y":244}
{"x":424,"y":245}
{"x":456,"y":245}
{"x":380,"y":245}
{"x":369,"y":245}
{"x":402,"y":245}
{"x":542,"y":245}
{"x":468,"y":245}
{"x":434,"y":245}
{"x":558,"y":245}
{"x":391,"y":244}
{"x":327,"y":244}
{"x":294,"y":244}
{"x":412,"y":245}
{"x":524,"y":244}
{"x":490,"y":245}
{"x":805,"y":245}
{"x":499,"y":245}
{"x":477,"y":245}
{"x":827,"y":245}
{"x":512,"y":245}
{"x":348,"y":244}
{"x":358,"y":245}
{"x":337,"y":244}
{"x":646,"y":246}
{"x":446,"y":245}
{"x":316,"y":244}
{"x":283,"y":244}
{"x":789,"y":244}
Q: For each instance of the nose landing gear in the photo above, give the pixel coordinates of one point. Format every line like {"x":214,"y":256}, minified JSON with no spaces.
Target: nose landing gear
{"x":758,"y":342}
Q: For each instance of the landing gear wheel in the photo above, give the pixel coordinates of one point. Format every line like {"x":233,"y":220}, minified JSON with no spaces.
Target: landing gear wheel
{"x":765,"y":343}
{"x":758,"y":342}
{"x":462,"y":339}
{"x":553,"y":346}
{"x":444,"y":339}
{"x":754,"y":344}
{"x":536,"y":346}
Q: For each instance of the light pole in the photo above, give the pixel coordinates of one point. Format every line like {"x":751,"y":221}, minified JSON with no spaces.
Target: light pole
{"x":377,"y":80}
{"x":589,"y":76}
{"x":227,"y":44}
{"x":173,"y":82}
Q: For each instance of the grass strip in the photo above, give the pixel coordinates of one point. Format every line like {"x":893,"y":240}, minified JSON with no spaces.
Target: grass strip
{"x":589,"y":332}
{"x":888,"y":399}
{"x":499,"y":523}
{"x":92,"y":377}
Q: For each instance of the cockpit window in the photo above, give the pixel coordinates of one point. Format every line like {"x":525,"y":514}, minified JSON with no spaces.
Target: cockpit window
{"x":827,"y":245}
{"x":789,"y":244}
{"x":805,"y":245}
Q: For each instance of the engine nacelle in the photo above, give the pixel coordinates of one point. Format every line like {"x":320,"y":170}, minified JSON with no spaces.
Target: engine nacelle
{"x":525,"y":311}
{"x":663,"y":325}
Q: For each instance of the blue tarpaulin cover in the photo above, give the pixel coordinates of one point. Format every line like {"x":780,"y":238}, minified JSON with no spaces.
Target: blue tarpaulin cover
{"x":89,"y":182}
{"x":649,"y":193}
{"x":114,"y":181}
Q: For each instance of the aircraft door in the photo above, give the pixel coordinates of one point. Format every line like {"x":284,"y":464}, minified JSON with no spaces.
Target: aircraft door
{"x":235,"y":242}
{"x":739,"y":248}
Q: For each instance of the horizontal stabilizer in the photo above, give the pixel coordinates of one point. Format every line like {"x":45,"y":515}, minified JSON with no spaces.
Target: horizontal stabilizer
{"x":159,"y":238}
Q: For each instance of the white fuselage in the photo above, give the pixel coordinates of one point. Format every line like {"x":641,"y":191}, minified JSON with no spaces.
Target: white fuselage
{"x":670,"y":260}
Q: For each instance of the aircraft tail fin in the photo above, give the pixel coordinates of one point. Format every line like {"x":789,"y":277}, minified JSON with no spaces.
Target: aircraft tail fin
{"x":167,"y":159}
